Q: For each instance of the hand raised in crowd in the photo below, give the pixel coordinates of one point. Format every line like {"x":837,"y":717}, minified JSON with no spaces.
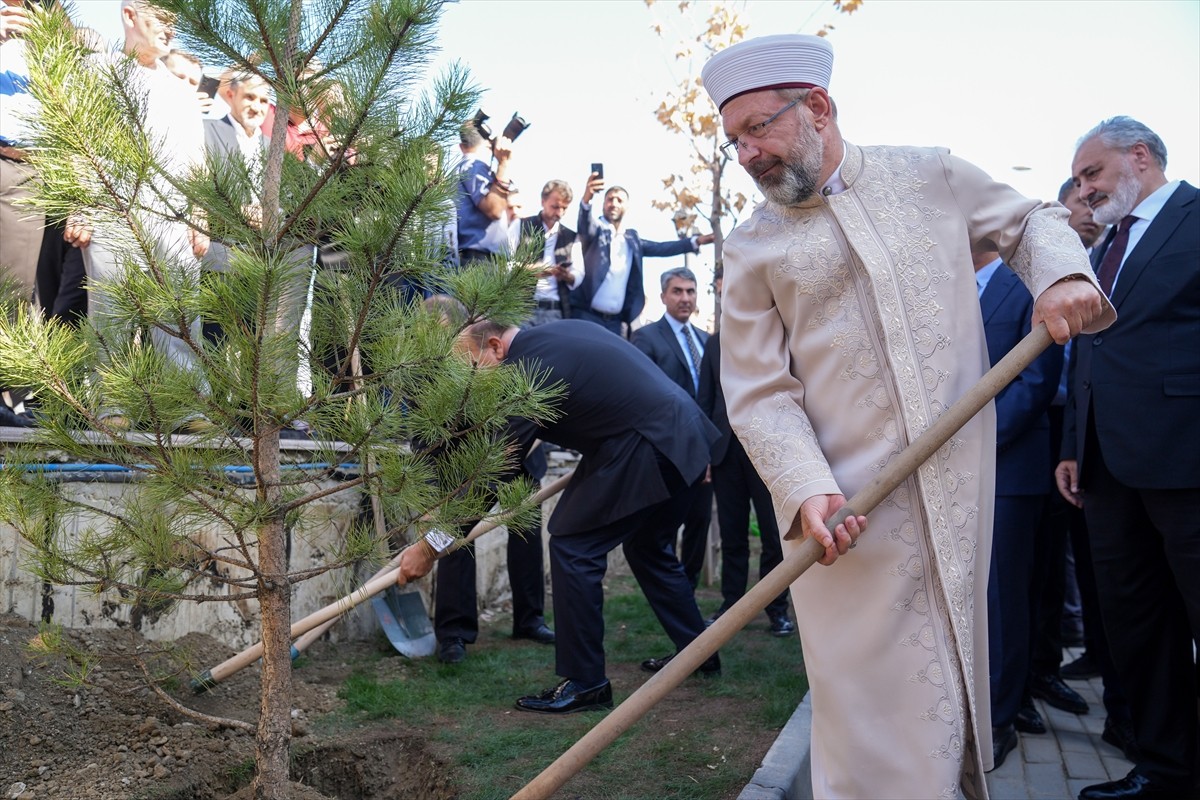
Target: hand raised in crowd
{"x":594,"y":185}
{"x":705,"y":238}
{"x":1067,"y":308}
{"x":206,"y":103}
{"x":502,"y":149}
{"x":14,"y":21}
{"x":810,"y":524}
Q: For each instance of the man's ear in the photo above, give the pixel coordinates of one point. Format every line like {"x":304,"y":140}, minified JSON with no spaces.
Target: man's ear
{"x":821,"y":106}
{"x":1142,"y":157}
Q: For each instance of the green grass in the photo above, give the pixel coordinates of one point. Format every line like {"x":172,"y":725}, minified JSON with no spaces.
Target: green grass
{"x":703,"y":741}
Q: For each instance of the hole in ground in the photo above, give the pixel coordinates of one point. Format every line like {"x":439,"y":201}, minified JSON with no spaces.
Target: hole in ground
{"x":374,"y":766}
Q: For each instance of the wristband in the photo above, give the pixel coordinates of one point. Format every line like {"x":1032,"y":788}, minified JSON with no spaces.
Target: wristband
{"x":438,"y":541}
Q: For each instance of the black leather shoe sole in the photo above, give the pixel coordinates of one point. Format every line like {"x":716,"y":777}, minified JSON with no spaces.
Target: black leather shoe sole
{"x":567,"y":698}
{"x":1058,"y":694}
{"x":711,"y":667}
{"x":452,"y":651}
{"x":540,"y":634}
{"x":782,"y":626}
{"x":1004,"y":741}
{"x":1029,"y":721}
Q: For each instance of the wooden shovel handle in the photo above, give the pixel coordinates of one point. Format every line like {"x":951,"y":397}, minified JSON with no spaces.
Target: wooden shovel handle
{"x":863,"y":502}
{"x":381,"y":580}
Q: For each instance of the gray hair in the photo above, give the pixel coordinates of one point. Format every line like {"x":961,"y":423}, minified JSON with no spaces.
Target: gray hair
{"x":678,"y":272}
{"x":1122,"y":133}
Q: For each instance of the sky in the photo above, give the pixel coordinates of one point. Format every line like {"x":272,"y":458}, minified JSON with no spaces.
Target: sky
{"x":1008,"y":85}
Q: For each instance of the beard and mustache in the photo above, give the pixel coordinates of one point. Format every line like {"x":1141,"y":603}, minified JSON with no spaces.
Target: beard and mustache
{"x":1121,"y":200}
{"x":799,"y":174}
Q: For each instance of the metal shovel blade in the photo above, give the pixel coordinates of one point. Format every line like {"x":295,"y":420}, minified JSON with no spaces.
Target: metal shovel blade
{"x":403,"y":617}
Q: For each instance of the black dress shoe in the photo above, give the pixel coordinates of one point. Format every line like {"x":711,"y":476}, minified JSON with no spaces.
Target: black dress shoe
{"x":1052,"y":689}
{"x":568,"y":697}
{"x":1004,"y":741}
{"x":452,"y":650}
{"x":1081,"y":669}
{"x":782,"y":626}
{"x":540,"y":633}
{"x":1119,"y":733}
{"x":710,"y":667}
{"x":1132,"y":785}
{"x":1028,"y":719}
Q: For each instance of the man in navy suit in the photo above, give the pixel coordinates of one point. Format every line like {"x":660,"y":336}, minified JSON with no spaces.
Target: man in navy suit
{"x":1129,"y":454}
{"x":611,"y":293}
{"x":643,"y":446}
{"x":1023,"y":481}
{"x":677,"y":347}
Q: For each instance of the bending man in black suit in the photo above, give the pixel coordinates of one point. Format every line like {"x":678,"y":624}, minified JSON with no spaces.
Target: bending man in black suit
{"x":1023,"y":481}
{"x":644,"y":444}
{"x":1126,"y":460}
{"x":677,"y":347}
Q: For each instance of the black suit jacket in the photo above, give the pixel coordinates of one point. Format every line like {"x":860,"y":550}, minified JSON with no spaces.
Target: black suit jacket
{"x":712,"y":400}
{"x":1022,"y":420}
{"x":532,"y":228}
{"x":597,"y":241}
{"x":659,"y":342}
{"x":619,"y":413}
{"x":1139,"y":381}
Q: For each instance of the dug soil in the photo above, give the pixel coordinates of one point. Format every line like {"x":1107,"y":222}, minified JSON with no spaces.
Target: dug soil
{"x":113,"y":739}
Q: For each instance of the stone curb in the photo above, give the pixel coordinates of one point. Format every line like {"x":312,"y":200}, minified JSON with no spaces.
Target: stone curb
{"x":785,"y":773}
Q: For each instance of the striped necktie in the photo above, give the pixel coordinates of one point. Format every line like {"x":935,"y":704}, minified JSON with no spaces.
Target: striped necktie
{"x":694,"y":352}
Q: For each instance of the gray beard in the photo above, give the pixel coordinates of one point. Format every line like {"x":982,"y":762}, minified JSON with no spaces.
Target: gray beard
{"x":799,"y":179}
{"x":1121,"y":201}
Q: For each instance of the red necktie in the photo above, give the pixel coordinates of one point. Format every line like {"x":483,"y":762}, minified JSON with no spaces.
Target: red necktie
{"x":1112,"y":257}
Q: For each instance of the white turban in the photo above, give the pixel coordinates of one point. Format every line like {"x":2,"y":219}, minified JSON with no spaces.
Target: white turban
{"x":785,"y":61}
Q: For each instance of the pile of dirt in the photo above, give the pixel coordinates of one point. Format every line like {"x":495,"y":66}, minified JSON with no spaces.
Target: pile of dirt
{"x":112,"y":739}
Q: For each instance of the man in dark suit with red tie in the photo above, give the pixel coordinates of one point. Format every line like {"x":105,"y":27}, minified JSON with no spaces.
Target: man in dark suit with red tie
{"x":1128,"y":456}
{"x":677,"y":346}
{"x":643,"y":446}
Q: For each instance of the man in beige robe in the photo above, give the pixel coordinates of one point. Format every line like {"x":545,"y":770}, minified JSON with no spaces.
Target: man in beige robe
{"x":851,"y":322}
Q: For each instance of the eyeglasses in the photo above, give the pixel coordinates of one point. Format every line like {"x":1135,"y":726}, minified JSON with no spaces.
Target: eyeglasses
{"x":730,"y":148}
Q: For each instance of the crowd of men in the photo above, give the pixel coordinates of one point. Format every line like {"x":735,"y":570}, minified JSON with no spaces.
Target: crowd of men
{"x":868,"y":292}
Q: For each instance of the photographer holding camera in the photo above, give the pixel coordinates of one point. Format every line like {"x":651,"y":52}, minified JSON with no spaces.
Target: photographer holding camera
{"x":483,"y":191}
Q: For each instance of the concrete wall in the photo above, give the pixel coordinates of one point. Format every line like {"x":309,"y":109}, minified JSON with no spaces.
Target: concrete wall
{"x":322,"y":530}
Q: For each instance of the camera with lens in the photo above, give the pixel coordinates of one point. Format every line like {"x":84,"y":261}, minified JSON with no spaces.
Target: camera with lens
{"x":515,"y":127}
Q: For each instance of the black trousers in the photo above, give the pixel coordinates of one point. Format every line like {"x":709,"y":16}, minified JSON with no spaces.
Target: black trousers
{"x":578,"y":562}
{"x":694,"y":541}
{"x":456,"y":600}
{"x":1146,"y":556}
{"x":737,"y":485}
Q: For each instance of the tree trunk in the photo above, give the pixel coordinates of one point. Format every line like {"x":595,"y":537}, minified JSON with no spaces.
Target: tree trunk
{"x":275,"y":605}
{"x":718,"y":212}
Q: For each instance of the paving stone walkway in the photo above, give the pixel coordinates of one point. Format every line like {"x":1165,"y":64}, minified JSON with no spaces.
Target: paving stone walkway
{"x":1052,"y":766}
{"x":1068,"y":757}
